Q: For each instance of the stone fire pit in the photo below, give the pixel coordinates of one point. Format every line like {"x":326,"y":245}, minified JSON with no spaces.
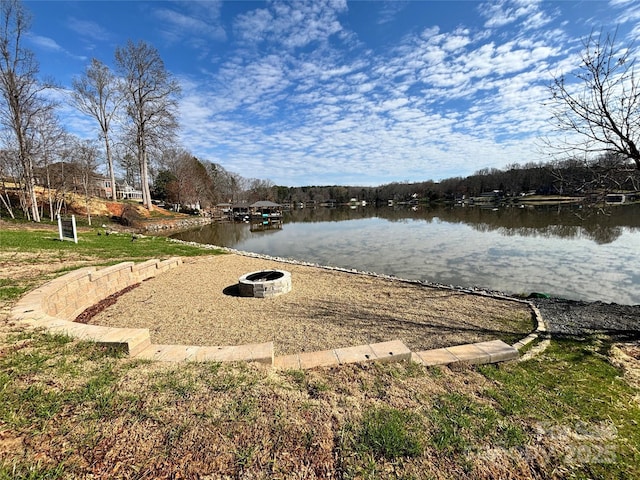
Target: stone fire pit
{"x":264,"y":284}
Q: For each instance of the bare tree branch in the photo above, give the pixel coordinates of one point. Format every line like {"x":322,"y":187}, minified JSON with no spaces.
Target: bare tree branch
{"x":151,"y":102}
{"x":98,"y":94}
{"x":603,"y":107}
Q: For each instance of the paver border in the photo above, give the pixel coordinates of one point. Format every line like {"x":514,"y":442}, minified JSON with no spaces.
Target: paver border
{"x":55,"y":305}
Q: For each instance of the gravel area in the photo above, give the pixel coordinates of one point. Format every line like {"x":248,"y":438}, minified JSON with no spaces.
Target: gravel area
{"x":197,"y":304}
{"x":576,"y":319}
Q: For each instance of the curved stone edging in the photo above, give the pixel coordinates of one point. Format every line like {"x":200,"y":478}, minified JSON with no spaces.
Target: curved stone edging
{"x":56,"y":304}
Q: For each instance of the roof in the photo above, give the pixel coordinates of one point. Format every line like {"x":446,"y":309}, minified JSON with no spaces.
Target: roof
{"x":264,"y":204}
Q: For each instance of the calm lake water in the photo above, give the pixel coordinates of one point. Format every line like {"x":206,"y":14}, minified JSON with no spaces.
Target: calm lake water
{"x":565,"y":252}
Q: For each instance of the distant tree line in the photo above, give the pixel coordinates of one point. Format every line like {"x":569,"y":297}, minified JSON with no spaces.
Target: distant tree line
{"x":571,"y":177}
{"x":188,"y":182}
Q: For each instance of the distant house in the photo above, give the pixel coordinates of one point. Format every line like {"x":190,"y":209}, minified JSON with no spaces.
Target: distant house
{"x":488,"y":197}
{"x":104,"y":187}
{"x":123,"y":190}
{"x":127,"y":192}
{"x":620,"y":198}
{"x":265,"y":215}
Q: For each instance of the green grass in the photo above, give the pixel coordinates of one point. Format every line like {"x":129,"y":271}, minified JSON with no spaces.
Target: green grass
{"x":390,"y":433}
{"x":74,"y":406}
{"x":26,"y":471}
{"x":575,"y":397}
{"x":567,"y":413}
{"x":461,"y":423}
{"x":90,"y":244}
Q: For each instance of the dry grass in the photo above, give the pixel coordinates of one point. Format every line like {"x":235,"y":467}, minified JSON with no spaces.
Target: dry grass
{"x":70,"y":409}
{"x":325,"y":309}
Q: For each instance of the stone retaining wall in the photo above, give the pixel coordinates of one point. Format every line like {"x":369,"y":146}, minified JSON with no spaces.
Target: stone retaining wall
{"x":177,"y":224}
{"x":56,"y":304}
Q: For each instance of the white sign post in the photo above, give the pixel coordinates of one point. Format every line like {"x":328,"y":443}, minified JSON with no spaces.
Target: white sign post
{"x":67,"y":229}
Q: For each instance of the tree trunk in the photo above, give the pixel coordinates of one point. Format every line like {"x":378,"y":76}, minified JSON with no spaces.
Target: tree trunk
{"x":144,"y":174}
{"x":32,"y":198}
{"x":112,"y":175}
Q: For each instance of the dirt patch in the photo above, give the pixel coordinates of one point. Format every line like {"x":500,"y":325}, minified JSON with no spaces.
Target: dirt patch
{"x":115,"y":209}
{"x":627,"y":357}
{"x":325,"y":309}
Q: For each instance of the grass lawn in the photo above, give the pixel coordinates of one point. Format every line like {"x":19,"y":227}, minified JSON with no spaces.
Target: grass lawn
{"x":71,"y":409}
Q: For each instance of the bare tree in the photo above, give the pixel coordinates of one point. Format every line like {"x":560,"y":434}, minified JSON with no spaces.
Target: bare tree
{"x":85,"y":158}
{"x":8,"y":179}
{"x":226,"y":185}
{"x":151,"y":101}
{"x":603,"y":108}
{"x":259,"y":189}
{"x":194,"y":185}
{"x":97,"y":94}
{"x":49,"y":139}
{"x":20,"y":91}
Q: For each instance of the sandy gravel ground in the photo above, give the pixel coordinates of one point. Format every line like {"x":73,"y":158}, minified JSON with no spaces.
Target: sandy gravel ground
{"x":325,"y":309}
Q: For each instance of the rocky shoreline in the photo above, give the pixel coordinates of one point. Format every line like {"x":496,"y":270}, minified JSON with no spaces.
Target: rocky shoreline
{"x":578,"y":319}
{"x":567,"y":318}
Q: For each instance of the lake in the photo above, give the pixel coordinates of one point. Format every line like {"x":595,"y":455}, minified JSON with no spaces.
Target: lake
{"x":563,"y":251}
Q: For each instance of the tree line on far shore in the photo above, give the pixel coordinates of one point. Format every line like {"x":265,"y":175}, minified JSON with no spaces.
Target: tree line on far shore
{"x":590,"y":180}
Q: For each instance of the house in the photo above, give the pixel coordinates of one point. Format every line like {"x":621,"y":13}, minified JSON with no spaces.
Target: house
{"x":126,"y":192}
{"x":240,"y":211}
{"x":123,"y":191}
{"x":265,"y":215}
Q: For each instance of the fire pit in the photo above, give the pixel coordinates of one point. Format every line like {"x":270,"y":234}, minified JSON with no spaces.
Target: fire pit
{"x":264,"y":284}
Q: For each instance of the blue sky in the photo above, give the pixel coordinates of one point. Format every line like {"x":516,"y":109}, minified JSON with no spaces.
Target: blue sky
{"x":337,"y":92}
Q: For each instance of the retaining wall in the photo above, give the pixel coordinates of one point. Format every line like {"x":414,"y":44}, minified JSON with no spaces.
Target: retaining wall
{"x":56,"y":304}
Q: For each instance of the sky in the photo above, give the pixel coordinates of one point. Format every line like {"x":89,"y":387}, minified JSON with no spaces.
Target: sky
{"x":334,"y":92}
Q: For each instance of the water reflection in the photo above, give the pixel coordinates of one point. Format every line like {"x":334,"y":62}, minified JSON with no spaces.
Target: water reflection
{"x":544,"y":221}
{"x":562,"y":251}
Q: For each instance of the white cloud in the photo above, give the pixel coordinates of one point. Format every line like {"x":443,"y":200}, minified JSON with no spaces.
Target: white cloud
{"x":291,"y":26}
{"x":289,"y":91}
{"x":390,"y":10}
{"x":89,"y":29}
{"x":505,"y":12}
{"x":195,"y":30}
{"x":45,"y":43}
{"x":50,"y":45}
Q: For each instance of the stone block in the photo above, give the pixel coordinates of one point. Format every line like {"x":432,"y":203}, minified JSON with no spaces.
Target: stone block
{"x":287,"y":362}
{"x":134,"y":340}
{"x":394,"y":350}
{"x":439,"y":356}
{"x":222,"y":354}
{"x":324,"y":358}
{"x":169,"y":353}
{"x":107,"y":271}
{"x":360,"y":353}
{"x":470,"y":354}
{"x":80,"y":331}
{"x":498,"y":351}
